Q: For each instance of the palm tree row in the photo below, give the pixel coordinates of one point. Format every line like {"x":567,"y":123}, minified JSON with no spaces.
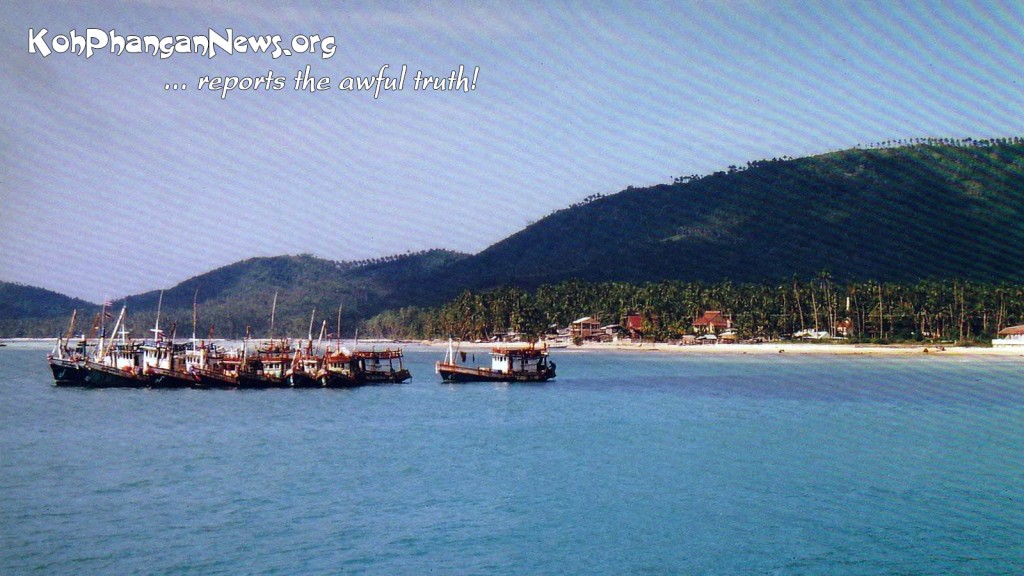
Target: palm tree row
{"x":953,"y":310}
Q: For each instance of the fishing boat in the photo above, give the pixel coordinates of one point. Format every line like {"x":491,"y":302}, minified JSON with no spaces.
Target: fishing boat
{"x":117,"y":364}
{"x":508,"y":364}
{"x":266,"y":367}
{"x":209,"y":366}
{"x":378,"y":366}
{"x":66,"y":363}
{"x":162,"y":361}
{"x":163,"y":365}
{"x":336,"y":369}
{"x":304,"y":369}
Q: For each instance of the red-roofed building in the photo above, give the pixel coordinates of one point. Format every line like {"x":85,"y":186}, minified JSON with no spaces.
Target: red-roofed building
{"x":712,"y":322}
{"x":634,"y":324}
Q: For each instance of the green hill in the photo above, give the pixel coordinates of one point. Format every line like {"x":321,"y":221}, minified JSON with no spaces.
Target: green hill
{"x":931,"y":210}
{"x":241,"y":295}
{"x":27,"y":311}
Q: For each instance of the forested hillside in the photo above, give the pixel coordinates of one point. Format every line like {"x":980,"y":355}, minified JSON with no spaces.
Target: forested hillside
{"x":933,"y":209}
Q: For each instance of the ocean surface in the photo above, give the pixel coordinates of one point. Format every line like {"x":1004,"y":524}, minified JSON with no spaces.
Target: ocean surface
{"x":627,"y":463}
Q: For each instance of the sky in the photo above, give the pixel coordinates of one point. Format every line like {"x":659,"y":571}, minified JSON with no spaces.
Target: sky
{"x":119,"y":174}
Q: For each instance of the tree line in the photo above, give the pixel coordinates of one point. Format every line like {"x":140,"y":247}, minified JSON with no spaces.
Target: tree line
{"x":930,"y":310}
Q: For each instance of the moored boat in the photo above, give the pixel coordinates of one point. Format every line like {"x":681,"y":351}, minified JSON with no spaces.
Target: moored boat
{"x":266,"y":368}
{"x":378,"y":366}
{"x":304,"y":369}
{"x":508,"y":364}
{"x":68,"y":364}
{"x":117,"y":364}
{"x":336,"y":370}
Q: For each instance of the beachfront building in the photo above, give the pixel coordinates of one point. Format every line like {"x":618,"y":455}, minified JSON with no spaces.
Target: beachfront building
{"x":585,"y":328}
{"x":1012,"y":336}
{"x":712,"y":322}
{"x":634,"y":324}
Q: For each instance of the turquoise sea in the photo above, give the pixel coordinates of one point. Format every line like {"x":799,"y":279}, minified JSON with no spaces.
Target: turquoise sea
{"x":628,"y":463}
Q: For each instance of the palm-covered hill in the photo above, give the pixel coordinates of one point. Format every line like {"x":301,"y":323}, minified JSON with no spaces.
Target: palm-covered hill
{"x":928,"y":209}
{"x":931,"y":210}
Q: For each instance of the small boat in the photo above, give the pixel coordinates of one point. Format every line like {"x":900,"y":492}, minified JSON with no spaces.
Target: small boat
{"x":508,"y":364}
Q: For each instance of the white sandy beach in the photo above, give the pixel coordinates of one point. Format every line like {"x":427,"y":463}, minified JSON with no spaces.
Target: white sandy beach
{"x":661,"y":347}
{"x":774,"y":348}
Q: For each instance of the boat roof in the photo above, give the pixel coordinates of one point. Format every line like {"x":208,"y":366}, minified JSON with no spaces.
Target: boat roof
{"x":385,"y":354}
{"x":528,"y":350}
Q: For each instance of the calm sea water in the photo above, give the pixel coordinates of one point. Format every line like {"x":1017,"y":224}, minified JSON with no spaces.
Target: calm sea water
{"x":626,"y":464}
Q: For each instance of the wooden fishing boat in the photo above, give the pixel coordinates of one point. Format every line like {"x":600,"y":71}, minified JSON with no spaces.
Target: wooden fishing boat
{"x":378,"y":366}
{"x":66,"y":363}
{"x":508,"y":364}
{"x":336,"y":370}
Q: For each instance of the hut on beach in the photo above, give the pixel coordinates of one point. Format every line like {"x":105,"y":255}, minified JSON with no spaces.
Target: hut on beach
{"x":1011,"y":336}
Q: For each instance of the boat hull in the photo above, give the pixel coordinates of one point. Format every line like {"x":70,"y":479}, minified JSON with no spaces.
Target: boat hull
{"x":456,"y":373}
{"x":68,"y":372}
{"x":103,"y":376}
{"x":161,"y":378}
{"x":338,"y":380}
{"x":213,"y":379}
{"x":395,"y":377}
{"x":302,"y":380}
{"x":261,"y":381}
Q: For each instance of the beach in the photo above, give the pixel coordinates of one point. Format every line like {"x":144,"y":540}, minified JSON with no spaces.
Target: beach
{"x":779,"y":347}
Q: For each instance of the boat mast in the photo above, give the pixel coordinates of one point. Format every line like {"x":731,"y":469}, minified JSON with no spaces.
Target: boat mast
{"x":310,"y":335}
{"x":194,"y":297}
{"x":320,"y":341}
{"x":59,"y":349}
{"x":120,"y":317}
{"x":338,"y":332}
{"x":156,"y":326}
{"x":273,"y":311}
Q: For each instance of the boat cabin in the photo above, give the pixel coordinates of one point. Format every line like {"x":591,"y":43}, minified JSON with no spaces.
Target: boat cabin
{"x":507,"y":361}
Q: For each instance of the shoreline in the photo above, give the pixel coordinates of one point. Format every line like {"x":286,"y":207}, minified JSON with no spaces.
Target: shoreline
{"x":799,"y":348}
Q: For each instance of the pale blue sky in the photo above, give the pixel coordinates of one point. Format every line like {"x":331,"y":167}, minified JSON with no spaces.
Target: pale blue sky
{"x":111,"y":185}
